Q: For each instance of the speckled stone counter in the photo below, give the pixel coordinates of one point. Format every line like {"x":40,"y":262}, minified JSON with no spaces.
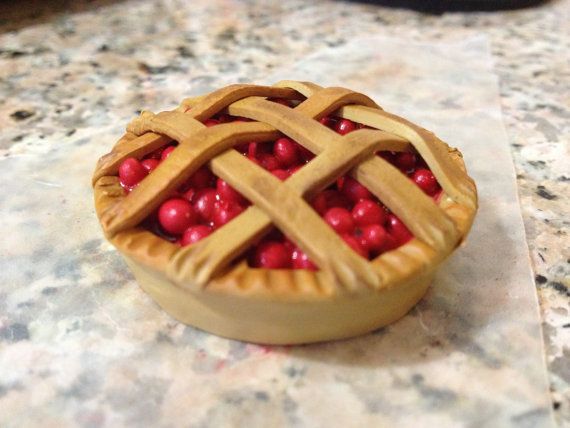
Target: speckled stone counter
{"x":60,"y":71}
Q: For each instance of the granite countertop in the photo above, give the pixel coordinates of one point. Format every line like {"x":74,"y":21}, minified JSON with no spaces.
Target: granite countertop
{"x":58,"y":68}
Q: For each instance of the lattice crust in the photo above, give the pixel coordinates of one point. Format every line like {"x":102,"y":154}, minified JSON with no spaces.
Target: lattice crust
{"x":437,"y":228}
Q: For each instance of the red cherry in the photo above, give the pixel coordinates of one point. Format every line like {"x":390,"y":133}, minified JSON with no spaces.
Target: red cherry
{"x":437,"y":196}
{"x":281,"y":101}
{"x":176,"y":215}
{"x":152,"y":224}
{"x":156,"y":154}
{"x":202,"y":178}
{"x":390,"y":243}
{"x":254,"y":160}
{"x":305,"y":153}
{"x":328,"y":121}
{"x":281,"y":174}
{"x":242,"y":148}
{"x":367,"y":212}
{"x":150,"y":164}
{"x":269,"y":162}
{"x":398,"y":230}
{"x":336,"y":199}
{"x":286,"y":151}
{"x":272,"y":255}
{"x":166,"y":152}
{"x":289,"y":244}
{"x":131,"y":172}
{"x":329,"y":199}
{"x":354,"y":244}
{"x":344,"y":126}
{"x":300,"y":260}
{"x":223,"y":118}
{"x":373,"y":238}
{"x":189,"y":194}
{"x":340,"y":220}
{"x":224,"y":212}
{"x":275,"y":235}
{"x":406,"y":161}
{"x":204,"y":202}
{"x":255,"y":149}
{"x":252,"y":150}
{"x":353,"y":190}
{"x":320,"y":204}
{"x":426,"y":181}
{"x":194,"y":234}
{"x":228,"y":193}
{"x":388,"y":156}
{"x":211,"y":122}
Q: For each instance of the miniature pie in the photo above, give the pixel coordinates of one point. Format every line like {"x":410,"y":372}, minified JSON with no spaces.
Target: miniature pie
{"x":283,"y":214}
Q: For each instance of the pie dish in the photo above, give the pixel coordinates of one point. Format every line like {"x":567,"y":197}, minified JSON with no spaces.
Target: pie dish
{"x":283,"y":214}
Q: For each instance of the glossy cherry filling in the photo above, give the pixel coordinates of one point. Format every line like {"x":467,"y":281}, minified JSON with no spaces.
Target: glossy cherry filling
{"x":206,"y":202}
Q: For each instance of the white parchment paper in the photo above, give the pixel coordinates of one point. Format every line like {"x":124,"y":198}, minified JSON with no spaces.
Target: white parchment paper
{"x":84,"y":346}
{"x":478,"y":331}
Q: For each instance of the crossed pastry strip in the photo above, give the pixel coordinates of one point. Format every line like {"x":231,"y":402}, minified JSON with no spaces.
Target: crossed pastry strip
{"x":284,"y":203}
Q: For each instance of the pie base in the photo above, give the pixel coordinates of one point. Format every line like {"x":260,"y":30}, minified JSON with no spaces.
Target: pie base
{"x":277,"y":321}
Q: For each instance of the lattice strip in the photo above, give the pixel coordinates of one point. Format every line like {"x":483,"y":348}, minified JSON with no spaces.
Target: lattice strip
{"x":174,"y":124}
{"x":328,"y":100}
{"x":217,"y":100}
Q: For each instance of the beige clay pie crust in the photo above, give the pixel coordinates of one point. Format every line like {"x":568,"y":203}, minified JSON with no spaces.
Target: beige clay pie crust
{"x":348,"y":295}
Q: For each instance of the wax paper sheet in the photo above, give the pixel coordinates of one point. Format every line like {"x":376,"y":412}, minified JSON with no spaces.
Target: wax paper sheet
{"x":84,"y":346}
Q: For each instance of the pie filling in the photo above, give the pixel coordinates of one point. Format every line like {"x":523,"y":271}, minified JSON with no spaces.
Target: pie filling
{"x":206,"y":202}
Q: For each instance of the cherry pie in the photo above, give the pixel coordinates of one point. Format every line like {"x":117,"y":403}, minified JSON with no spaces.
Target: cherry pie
{"x":284,"y":214}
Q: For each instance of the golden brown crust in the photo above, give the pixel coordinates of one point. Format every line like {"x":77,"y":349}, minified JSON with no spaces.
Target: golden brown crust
{"x":205,"y":267}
